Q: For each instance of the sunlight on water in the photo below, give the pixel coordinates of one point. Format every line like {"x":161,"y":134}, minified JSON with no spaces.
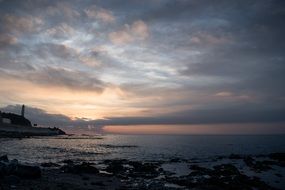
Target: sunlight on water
{"x":136,"y":147}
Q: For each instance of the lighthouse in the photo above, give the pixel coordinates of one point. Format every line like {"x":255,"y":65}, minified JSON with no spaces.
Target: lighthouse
{"x":23,"y":111}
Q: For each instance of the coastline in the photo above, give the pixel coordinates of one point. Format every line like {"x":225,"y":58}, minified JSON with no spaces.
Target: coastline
{"x":16,"y":131}
{"x":228,"y":172}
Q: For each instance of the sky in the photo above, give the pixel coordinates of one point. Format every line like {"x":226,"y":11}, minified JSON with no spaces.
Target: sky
{"x":101,"y":65}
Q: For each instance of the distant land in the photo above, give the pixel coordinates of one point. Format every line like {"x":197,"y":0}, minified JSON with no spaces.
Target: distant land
{"x":17,"y":126}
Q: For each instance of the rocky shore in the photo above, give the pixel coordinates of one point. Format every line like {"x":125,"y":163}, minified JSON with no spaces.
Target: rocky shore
{"x":228,"y":172}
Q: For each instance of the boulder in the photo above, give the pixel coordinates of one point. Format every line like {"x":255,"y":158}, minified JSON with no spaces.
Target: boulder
{"x":235,"y":156}
{"x":81,"y":168}
{"x":4,"y":158}
{"x":12,"y":179}
{"x":28,"y":172}
{"x":49,"y":164}
{"x":3,"y":167}
{"x":115,"y":167}
{"x":226,"y":170}
{"x":146,"y":170}
{"x":277,"y":156}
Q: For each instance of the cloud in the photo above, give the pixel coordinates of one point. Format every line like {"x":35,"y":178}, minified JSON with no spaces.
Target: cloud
{"x":99,"y":13}
{"x":62,"y":8}
{"x":224,"y":94}
{"x":67,"y":54}
{"x":206,"y":116}
{"x":121,"y":37}
{"x":90,"y":59}
{"x":46,"y":50}
{"x":62,"y":30}
{"x":74,"y":80}
{"x":203,"y":38}
{"x":7,"y":40}
{"x":224,"y":117}
{"x":21,"y":24}
{"x":172,"y":56}
{"x":138,"y":30}
{"x":61,"y":78}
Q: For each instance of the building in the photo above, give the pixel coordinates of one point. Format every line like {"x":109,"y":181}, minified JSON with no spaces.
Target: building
{"x":15,"y":119}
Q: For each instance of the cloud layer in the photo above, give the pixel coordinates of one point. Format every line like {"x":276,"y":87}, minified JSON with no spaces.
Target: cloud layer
{"x":150,"y":62}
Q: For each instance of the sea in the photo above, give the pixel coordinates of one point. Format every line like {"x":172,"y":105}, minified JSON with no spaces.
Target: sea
{"x":96,"y":148}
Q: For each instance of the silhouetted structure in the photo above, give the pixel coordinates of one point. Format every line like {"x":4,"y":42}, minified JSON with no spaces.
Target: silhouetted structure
{"x":17,"y":126}
{"x":15,"y":119}
{"x":23,"y":111}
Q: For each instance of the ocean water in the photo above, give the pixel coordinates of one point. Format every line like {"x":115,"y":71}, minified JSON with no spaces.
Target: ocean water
{"x":137,"y":147}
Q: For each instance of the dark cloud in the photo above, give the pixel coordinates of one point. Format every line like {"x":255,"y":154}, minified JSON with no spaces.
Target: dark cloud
{"x":59,"y":77}
{"x":7,"y":40}
{"x":207,"y":116}
{"x":51,"y":50}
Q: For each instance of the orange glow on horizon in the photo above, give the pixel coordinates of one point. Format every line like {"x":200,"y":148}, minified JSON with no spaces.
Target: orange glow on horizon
{"x":211,"y":129}
{"x":72,"y":103}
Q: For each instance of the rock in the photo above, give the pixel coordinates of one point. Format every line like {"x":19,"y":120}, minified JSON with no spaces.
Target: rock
{"x":226,"y":170}
{"x":3,"y":169}
{"x":146,"y":167}
{"x":156,"y":185}
{"x":259,"y":166}
{"x":4,"y":158}
{"x":67,"y":161}
{"x":81,"y":168}
{"x":249,"y":161}
{"x":175,"y":160}
{"x":199,"y":171}
{"x":277,"y":156}
{"x":115,"y":167}
{"x":235,"y":156}
{"x":14,"y":161}
{"x":49,"y":164}
{"x":99,"y":183}
{"x":12,"y":166}
{"x":146,"y":170}
{"x":28,"y":172}
{"x":12,"y":179}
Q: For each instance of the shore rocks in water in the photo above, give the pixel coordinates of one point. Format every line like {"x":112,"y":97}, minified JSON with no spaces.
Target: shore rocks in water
{"x":146,"y":170}
{"x":278,"y":156}
{"x":49,"y":164}
{"x":260,"y":166}
{"x":224,"y":176}
{"x":8,"y":168}
{"x":133,"y":169}
{"x":4,"y":158}
{"x":80,"y":168}
{"x":28,"y":172}
{"x":235,"y":156}
{"x":116,"y":167}
{"x":150,"y":175}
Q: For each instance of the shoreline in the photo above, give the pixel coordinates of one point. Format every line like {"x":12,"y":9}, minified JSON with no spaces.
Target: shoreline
{"x":232,"y":171}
